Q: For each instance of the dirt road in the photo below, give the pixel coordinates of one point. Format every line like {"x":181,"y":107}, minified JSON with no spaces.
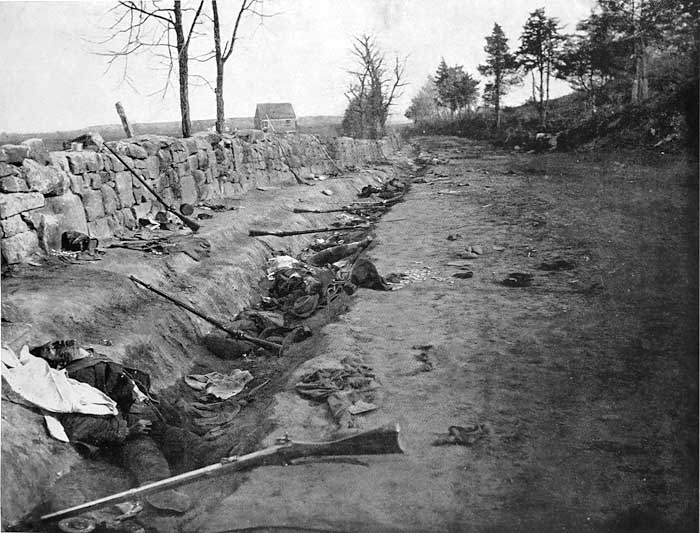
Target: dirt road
{"x":586,"y":380}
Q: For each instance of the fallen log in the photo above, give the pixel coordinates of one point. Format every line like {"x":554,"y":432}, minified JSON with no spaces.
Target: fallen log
{"x":383,"y":440}
{"x":235,"y":333}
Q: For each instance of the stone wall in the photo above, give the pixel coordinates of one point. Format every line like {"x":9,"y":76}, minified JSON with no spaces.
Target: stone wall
{"x":43,"y":194}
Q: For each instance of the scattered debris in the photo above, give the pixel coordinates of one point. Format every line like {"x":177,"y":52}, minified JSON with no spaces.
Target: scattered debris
{"x":219,"y":385}
{"x":426,"y":364}
{"x":327,"y":192}
{"x":204,"y":216}
{"x":196,"y":248}
{"x":410,"y":276}
{"x":335,"y":253}
{"x":518,"y":279}
{"x":347,"y":388}
{"x":464,"y":436}
{"x":454,"y":236}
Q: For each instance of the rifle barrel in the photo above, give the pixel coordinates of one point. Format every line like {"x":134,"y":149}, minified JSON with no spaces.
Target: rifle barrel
{"x":382,"y":440}
{"x":233,"y":332}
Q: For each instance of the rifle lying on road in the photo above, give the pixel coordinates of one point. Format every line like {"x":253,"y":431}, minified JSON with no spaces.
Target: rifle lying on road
{"x":262,"y":232}
{"x":235,"y":333}
{"x":383,"y":440}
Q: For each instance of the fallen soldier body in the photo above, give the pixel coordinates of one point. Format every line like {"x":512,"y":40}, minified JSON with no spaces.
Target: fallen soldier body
{"x":147,"y":445}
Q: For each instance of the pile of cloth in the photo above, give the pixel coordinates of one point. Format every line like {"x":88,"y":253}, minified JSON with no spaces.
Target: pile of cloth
{"x":348,"y":390}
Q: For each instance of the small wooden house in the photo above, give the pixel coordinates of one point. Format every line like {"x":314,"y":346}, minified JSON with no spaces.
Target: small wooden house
{"x":279,"y":118}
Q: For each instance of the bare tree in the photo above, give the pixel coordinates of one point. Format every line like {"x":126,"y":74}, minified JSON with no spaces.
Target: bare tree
{"x":221,"y":55}
{"x":147,"y":25}
{"x":373,"y":91}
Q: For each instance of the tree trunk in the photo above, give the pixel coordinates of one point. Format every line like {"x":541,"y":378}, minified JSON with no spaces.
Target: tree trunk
{"x":540,"y":90}
{"x":497,"y":99}
{"x":182,"y":61}
{"x":546,"y":99}
{"x":220,"y":116}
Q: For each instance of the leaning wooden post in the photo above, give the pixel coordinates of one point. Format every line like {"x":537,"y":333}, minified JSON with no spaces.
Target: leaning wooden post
{"x":125,"y":121}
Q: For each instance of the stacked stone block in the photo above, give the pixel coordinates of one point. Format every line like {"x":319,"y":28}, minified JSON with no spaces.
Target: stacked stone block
{"x":43,"y":194}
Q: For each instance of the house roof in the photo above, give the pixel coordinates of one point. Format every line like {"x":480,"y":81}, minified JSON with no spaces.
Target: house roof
{"x":274,"y":111}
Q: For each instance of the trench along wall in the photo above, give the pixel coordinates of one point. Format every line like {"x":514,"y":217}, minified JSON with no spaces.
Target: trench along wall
{"x":103,"y":303}
{"x":43,"y":194}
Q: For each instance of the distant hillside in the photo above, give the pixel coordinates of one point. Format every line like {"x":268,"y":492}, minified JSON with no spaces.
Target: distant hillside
{"x":317,"y":125}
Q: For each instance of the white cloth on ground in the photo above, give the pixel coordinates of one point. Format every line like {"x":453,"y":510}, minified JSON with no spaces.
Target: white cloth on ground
{"x":220,"y":385}
{"x":34,"y":380}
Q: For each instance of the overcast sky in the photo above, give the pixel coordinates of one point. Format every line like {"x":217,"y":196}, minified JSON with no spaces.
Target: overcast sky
{"x":51,"y":77}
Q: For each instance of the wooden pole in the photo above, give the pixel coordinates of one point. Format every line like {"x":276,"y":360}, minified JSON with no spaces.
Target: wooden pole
{"x":125,"y":121}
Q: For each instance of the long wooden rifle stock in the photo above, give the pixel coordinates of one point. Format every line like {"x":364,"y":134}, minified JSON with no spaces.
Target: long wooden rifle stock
{"x":382,"y":440}
{"x":235,"y":333}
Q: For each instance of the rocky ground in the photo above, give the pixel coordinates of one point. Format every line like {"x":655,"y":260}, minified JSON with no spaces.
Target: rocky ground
{"x":582,"y":383}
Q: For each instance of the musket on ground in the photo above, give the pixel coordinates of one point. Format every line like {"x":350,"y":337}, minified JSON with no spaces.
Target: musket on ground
{"x":235,"y":333}
{"x":263,"y":233}
{"x":382,"y":440}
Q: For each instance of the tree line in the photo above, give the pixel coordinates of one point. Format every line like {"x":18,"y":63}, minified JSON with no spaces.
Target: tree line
{"x":626,"y":51}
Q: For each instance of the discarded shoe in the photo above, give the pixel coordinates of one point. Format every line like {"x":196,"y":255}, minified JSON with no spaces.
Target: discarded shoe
{"x":518,"y":279}
{"x":464,"y":436}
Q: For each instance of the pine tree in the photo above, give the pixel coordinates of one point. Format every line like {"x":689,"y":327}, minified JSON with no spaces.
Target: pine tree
{"x":501,"y":65}
{"x":539,"y":50}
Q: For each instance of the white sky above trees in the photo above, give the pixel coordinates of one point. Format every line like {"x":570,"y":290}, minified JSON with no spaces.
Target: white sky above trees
{"x":51,"y":79}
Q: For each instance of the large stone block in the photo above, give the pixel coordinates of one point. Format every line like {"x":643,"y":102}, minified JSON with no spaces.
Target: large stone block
{"x":14,"y":203}
{"x":100,"y":229}
{"x":76,"y":162}
{"x":46,"y":179}
{"x":16,"y":153}
{"x":13,"y":184}
{"x":13,"y":225}
{"x":165,"y":159}
{"x":128,"y":218}
{"x":179,"y":156}
{"x":124,"y":188}
{"x":192,"y":162}
{"x":188,"y":190}
{"x":7,"y":170}
{"x":48,"y":228}
{"x":183,"y":169}
{"x":199,"y":177}
{"x":109,"y":199}
{"x":20,"y":247}
{"x":190,"y":145}
{"x":78,"y":184}
{"x":60,"y":160}
{"x":203,"y":159}
{"x":92,"y":202}
{"x":70,"y":208}
{"x":37,"y":150}
{"x":152,"y":167}
{"x":93,"y":160}
{"x":141,"y":210}
{"x":137,"y":152}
